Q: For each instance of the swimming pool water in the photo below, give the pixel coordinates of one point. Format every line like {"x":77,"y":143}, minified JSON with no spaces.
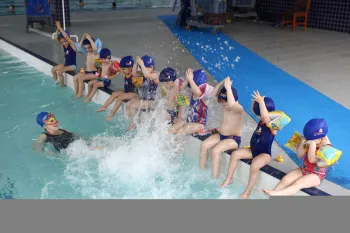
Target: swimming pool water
{"x":147,"y":164}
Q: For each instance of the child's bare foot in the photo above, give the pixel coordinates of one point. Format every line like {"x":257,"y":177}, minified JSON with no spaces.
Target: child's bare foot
{"x":131,"y":127}
{"x":268,"y":192}
{"x":62,"y":86}
{"x":245,"y":195}
{"x":87,"y":100}
{"x":109,"y":117}
{"x":226,"y":182}
{"x":79,"y":96}
{"x":101,"y":109}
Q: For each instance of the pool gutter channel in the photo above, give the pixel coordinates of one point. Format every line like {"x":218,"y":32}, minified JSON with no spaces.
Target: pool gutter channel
{"x":268,"y":178}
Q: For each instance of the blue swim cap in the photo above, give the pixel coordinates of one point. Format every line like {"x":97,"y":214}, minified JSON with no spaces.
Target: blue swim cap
{"x":199,"y":77}
{"x":222,"y":95}
{"x":105,"y":53}
{"x":127,"y":62}
{"x":270,"y":106}
{"x":167,"y":75}
{"x":148,"y":61}
{"x":60,"y":35}
{"x":41,"y":117}
{"x":315,"y":129}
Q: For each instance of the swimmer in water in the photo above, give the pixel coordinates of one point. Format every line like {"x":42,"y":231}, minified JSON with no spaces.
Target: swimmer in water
{"x":230,"y":133}
{"x":129,"y":92}
{"x":147,"y":92}
{"x":59,"y":138}
{"x":171,"y":84}
{"x":260,"y":144}
{"x":70,"y":55}
{"x":104,"y":78}
{"x":198,"y":112}
{"x":309,"y":174}
{"x":93,"y":53}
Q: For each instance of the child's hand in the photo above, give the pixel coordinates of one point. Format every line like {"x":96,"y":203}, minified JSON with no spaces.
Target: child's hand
{"x":189,"y":74}
{"x":139,"y":60}
{"x":58,"y":24}
{"x":87,"y":36}
{"x":227,"y":83}
{"x":311,"y":142}
{"x":257,"y":97}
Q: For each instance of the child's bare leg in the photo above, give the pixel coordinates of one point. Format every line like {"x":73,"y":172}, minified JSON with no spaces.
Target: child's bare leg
{"x":175,"y":127}
{"x":119,"y":102}
{"x":190,"y":128}
{"x":257,"y":163}
{"x":138,"y":104}
{"x":81,"y":83}
{"x":205,"y":146}
{"x":63,"y":70}
{"x":110,"y":100}
{"x":288,"y":179}
{"x":76,"y":83}
{"x":222,"y":146}
{"x":128,"y":107}
{"x":54,"y":71}
{"x":243,"y":153}
{"x":95,"y":87}
{"x":90,"y":86}
{"x":307,"y":181}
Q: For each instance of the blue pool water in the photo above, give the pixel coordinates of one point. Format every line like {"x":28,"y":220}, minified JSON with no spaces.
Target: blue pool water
{"x":146,"y":164}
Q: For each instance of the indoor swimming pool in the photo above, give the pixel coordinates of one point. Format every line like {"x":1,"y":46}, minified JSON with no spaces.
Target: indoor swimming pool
{"x":145,"y":164}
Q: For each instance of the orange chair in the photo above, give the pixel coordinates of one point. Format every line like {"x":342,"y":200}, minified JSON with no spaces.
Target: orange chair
{"x":301,"y":10}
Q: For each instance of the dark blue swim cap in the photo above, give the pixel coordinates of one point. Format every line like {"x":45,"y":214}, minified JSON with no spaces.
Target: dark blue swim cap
{"x":167,"y":75}
{"x":87,"y":42}
{"x":105,"y":53}
{"x":148,"y":61}
{"x":199,"y":77}
{"x":127,"y":62}
{"x":222,"y":95}
{"x":270,"y":106}
{"x":315,"y":129}
{"x":41,"y":117}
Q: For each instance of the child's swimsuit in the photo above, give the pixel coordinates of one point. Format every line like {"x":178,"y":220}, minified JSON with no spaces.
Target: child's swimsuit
{"x":173,"y":114}
{"x":237,"y":139}
{"x":261,"y":140}
{"x":106,"y":82}
{"x":148,"y":89}
{"x":313,"y":168}
{"x":128,"y":86}
{"x":70,"y":57}
{"x":60,"y":141}
{"x":198,"y":112}
{"x":91,"y":72}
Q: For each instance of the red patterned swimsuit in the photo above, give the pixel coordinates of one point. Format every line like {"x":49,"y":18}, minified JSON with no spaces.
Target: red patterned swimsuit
{"x":313,"y":168}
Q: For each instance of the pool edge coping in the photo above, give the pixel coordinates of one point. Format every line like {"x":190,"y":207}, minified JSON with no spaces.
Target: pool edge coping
{"x":269,"y":170}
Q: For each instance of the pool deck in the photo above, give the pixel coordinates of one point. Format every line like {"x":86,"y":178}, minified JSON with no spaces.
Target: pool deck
{"x":140,"y":32}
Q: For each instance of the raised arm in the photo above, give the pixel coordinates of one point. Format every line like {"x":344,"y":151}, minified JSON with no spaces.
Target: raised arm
{"x":92,"y":42}
{"x":264,"y":114}
{"x":301,"y":149}
{"x":311,"y":154}
{"x":70,"y":41}
{"x":146,"y":73}
{"x":231,"y":101}
{"x":217,"y":89}
{"x":195,"y":89}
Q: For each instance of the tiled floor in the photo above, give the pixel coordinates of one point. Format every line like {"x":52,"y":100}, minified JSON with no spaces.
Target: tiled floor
{"x":311,"y":56}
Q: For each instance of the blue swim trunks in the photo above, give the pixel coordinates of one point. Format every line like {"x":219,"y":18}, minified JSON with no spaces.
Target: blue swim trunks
{"x":237,"y":139}
{"x":106,"y":82}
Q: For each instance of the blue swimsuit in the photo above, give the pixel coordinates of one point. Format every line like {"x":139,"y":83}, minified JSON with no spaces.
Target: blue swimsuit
{"x":148,"y":90}
{"x":262,"y":139}
{"x":128,"y":86}
{"x":70,"y":56}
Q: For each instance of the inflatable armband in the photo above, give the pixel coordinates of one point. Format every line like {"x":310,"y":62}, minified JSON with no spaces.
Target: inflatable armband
{"x":182,"y":100}
{"x":329,"y":156}
{"x":82,"y":50}
{"x":137,"y":81}
{"x":206,"y":91}
{"x":114,"y":68}
{"x":294,"y":142}
{"x":98,"y":65}
{"x":279,"y":120}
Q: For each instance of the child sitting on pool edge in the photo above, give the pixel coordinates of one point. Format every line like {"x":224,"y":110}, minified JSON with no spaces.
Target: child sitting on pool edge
{"x":198,"y":112}
{"x":309,"y":174}
{"x":89,"y":47}
{"x":260,"y":144}
{"x":103,"y":79}
{"x":129,"y":92}
{"x":147,"y":92}
{"x":229,"y":137}
{"x":171,"y":89}
{"x":70,"y":55}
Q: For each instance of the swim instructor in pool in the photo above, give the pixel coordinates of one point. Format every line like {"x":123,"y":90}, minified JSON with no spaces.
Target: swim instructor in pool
{"x":59,"y":138}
